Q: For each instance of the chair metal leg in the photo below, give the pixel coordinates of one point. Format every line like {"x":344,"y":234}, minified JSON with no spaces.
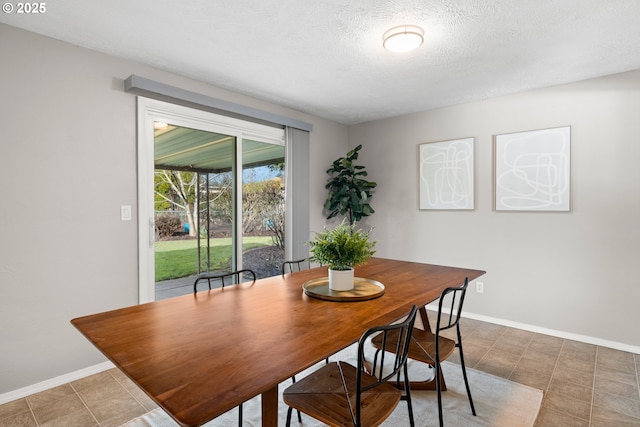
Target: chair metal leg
{"x":240,"y":415}
{"x":464,"y":375}
{"x":407,"y":395}
{"x":439,"y":390}
{"x":288,"y":424}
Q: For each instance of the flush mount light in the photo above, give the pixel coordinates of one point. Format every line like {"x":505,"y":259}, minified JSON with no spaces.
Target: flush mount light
{"x":403,"y":38}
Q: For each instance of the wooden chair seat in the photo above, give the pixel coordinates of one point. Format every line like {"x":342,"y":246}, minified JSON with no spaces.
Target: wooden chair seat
{"x":323,"y":396}
{"x":422,"y":346}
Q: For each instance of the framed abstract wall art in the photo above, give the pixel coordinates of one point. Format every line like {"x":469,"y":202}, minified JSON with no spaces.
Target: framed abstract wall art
{"x":533,"y":170}
{"x":446,"y":174}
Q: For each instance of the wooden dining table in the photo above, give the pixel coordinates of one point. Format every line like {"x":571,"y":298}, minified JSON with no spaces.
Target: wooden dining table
{"x":198,"y":356}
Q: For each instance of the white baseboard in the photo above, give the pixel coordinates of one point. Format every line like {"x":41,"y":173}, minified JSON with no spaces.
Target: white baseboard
{"x":54,"y":382}
{"x":552,"y":332}
{"x":63,"y":379}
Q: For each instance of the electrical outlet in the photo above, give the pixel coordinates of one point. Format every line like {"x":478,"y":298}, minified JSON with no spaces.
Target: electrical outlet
{"x":479,"y":287}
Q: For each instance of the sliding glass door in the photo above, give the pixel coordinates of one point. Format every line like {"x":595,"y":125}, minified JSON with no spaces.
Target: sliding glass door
{"x":211,"y":190}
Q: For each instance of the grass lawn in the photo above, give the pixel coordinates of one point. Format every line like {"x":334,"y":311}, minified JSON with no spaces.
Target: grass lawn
{"x":179,"y":258}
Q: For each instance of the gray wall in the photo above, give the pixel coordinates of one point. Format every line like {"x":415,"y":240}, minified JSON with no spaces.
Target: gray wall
{"x":569,"y":272}
{"x":67,"y":163}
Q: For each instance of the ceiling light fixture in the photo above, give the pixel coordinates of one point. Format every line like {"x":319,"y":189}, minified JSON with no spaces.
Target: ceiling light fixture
{"x":403,"y":38}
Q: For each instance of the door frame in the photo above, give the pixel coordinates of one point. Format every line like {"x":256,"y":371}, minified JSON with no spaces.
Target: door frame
{"x":150,"y":110}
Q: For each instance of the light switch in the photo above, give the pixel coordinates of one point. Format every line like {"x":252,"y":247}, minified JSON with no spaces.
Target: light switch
{"x":125,"y":213}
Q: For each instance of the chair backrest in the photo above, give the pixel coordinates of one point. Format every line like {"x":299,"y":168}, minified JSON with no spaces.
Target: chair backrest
{"x":391,"y":364}
{"x":450,"y":308}
{"x":235,"y":277}
{"x":297,"y":265}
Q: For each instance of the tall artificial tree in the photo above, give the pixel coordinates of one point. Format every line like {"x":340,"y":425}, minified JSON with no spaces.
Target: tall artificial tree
{"x":349,"y":192}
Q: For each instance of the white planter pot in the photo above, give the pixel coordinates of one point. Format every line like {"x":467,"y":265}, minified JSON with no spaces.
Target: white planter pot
{"x":341,"y":280}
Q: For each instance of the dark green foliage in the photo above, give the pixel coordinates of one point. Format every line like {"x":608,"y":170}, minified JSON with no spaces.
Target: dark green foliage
{"x":349,"y":192}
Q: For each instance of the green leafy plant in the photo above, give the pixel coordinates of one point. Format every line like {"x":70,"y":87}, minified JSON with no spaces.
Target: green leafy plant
{"x":343,"y":247}
{"x":349,"y":193}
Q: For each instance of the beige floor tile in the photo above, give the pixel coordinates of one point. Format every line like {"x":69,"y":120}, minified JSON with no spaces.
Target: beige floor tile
{"x":98,"y":393}
{"x":568,"y":362}
{"x":562,"y":387}
{"x":14,"y":408}
{"x":605,"y":384}
{"x":21,"y":419}
{"x":140,"y":396}
{"x":499,"y":363}
{"x":535,"y":379}
{"x":79,"y":418}
{"x":616,"y":360}
{"x":68,"y":411}
{"x":509,"y":344}
{"x":472,"y":356}
{"x":579,"y":352}
{"x":474,"y":350}
{"x":577,"y":376}
{"x":551,"y":418}
{"x":97,"y":380}
{"x":603,"y":417}
{"x":546,"y":344}
{"x":518,"y":335}
{"x":488,"y":331}
{"x":47,"y":397}
{"x":108,"y":399}
{"x":567,"y":405}
{"x":617,"y":404}
{"x":116,"y":410}
{"x":467,"y":326}
{"x":619,"y":376}
{"x":537,"y":362}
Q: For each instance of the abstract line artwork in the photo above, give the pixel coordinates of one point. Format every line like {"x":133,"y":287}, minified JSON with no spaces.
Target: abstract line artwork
{"x":533,"y":170}
{"x":446,"y":174}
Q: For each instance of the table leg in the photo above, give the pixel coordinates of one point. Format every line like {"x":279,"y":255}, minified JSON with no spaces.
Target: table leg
{"x":270,"y":407}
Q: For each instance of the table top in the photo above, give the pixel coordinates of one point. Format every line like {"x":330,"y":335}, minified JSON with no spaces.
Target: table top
{"x":201,"y":355}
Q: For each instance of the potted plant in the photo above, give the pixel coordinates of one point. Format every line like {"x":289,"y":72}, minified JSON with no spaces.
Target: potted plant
{"x":349,"y":192}
{"x":341,"y":249}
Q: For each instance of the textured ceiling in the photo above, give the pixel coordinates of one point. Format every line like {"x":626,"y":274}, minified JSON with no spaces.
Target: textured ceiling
{"x":325,"y":57}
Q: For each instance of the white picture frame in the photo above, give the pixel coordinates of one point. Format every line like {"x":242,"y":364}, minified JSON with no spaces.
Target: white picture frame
{"x":532,"y":170}
{"x":446,"y":175}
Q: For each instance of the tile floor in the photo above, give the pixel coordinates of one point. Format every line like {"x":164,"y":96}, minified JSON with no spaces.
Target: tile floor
{"x":583,"y":384}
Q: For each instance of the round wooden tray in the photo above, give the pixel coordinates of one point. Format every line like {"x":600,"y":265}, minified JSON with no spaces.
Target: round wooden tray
{"x":364,"y":289}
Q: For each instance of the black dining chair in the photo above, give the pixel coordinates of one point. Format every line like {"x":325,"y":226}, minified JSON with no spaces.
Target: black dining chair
{"x":235,"y":278}
{"x":340,"y":394}
{"x":431,"y":347}
{"x":296,"y":265}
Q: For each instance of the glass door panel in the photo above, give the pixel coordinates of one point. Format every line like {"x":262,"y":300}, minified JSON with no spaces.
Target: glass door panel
{"x":194,"y":209}
{"x":263,"y":187}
